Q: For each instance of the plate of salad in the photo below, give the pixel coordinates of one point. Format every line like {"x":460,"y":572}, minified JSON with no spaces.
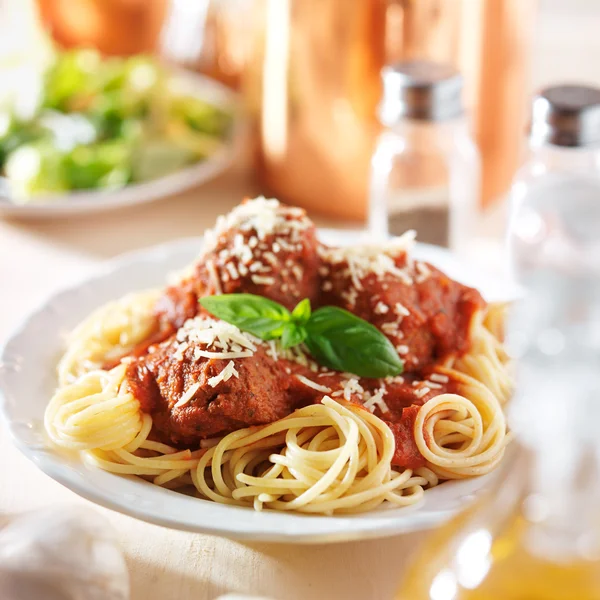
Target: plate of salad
{"x":101,"y":133}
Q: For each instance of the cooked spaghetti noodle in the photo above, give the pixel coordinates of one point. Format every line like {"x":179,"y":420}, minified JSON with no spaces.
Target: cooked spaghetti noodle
{"x":107,"y":334}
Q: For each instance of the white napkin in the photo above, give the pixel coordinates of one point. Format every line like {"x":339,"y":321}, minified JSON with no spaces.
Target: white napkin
{"x":62,"y":553}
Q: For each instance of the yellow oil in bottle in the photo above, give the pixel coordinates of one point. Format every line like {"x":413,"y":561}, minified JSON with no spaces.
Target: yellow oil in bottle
{"x":495,"y":551}
{"x":510,"y":572}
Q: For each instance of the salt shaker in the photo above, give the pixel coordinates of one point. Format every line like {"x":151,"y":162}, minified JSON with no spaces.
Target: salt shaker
{"x":557,"y":190}
{"x":425,"y":171}
{"x":554,"y":235}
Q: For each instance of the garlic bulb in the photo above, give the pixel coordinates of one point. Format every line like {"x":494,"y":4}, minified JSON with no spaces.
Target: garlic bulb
{"x":62,"y":553}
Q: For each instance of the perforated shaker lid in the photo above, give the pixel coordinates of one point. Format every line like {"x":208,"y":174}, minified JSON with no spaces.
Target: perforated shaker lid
{"x":420,"y":89}
{"x":566,"y":115}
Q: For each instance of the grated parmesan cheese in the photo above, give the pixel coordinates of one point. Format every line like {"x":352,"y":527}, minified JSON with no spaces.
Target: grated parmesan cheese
{"x":187,"y":395}
{"x":352,"y":386}
{"x":206,"y":354}
{"x":262,"y":217}
{"x":232,"y":270}
{"x":262,"y":280}
{"x":214,"y":277}
{"x":298,"y":272}
{"x":271,"y":258}
{"x":350,"y":296}
{"x":422,"y":392}
{"x":272,"y":352}
{"x":433,"y":385}
{"x":403,"y":349}
{"x":391,"y":328}
{"x":381,"y":308}
{"x":372,"y":259}
{"x":423,"y":272}
{"x":376,"y":400}
{"x":439,"y":378}
{"x":311,"y":384}
{"x":401,"y":310}
{"x":238,"y":241}
{"x":181,"y":348}
{"x":227,"y":373}
{"x":220,"y":340}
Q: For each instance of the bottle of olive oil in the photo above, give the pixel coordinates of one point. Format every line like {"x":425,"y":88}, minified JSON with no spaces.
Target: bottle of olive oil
{"x":536,"y":534}
{"x":518,"y":543}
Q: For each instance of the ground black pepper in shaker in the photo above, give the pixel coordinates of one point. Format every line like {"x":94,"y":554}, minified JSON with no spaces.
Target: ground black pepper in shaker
{"x":425,"y":171}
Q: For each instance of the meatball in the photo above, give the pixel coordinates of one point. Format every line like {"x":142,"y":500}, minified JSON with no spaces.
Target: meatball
{"x":261,"y":247}
{"x":424,"y":313}
{"x":210,"y":379}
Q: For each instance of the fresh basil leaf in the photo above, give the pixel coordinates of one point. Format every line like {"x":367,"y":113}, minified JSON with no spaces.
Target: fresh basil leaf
{"x":259,"y":316}
{"x":342,"y":341}
{"x":292,"y":335}
{"x":301,"y":313}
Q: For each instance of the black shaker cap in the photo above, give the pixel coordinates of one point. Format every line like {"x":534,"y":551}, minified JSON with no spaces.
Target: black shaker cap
{"x":567,"y":115}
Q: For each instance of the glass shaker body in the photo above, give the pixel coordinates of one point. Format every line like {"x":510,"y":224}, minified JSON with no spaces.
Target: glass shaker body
{"x":553,"y":172}
{"x":555,"y":198}
{"x":425,"y":175}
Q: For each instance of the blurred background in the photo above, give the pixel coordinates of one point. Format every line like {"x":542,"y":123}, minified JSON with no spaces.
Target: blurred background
{"x":309,"y":88}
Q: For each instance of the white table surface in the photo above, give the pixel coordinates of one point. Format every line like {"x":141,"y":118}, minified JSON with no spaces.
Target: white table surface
{"x":37,"y":257}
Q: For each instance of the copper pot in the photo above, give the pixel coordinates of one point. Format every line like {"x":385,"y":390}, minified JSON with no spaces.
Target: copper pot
{"x":313,"y":86}
{"x":113,"y":26}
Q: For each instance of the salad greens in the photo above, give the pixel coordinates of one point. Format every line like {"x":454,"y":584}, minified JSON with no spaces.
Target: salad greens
{"x":102,"y":123}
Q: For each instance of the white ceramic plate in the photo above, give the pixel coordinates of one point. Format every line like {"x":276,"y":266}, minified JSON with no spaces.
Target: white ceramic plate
{"x":85,"y":201}
{"x":27,"y":381}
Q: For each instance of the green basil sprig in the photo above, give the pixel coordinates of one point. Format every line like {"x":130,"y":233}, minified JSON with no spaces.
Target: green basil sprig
{"x":336,"y":338}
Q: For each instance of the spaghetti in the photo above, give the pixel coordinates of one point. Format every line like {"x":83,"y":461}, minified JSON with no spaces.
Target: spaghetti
{"x":338,"y":454}
{"x":107,"y":334}
{"x":333,"y":457}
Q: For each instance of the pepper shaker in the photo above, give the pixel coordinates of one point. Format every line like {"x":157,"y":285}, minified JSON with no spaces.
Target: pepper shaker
{"x":425,"y":171}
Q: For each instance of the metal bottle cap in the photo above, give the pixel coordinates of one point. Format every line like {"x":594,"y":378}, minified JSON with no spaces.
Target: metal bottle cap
{"x":421,"y":90}
{"x":567,"y":115}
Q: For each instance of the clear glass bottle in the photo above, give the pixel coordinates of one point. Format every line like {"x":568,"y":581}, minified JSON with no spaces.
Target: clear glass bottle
{"x":536,"y":534}
{"x":562,"y":173}
{"x":425,"y":171}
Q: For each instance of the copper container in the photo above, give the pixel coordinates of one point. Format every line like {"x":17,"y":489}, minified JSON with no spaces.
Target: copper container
{"x":118,"y":27}
{"x":313,"y":86}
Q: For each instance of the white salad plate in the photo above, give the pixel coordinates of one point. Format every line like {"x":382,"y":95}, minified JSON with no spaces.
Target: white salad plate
{"x":27,"y":381}
{"x":89,"y":201}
